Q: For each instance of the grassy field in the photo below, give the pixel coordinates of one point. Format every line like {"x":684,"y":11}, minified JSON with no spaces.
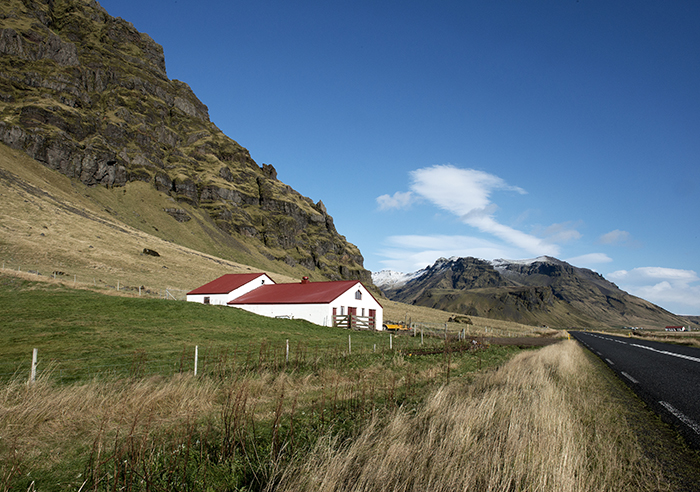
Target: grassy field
{"x":79,"y":333}
{"x":117,"y":387}
{"x":82,"y":332}
{"x":330,"y":417}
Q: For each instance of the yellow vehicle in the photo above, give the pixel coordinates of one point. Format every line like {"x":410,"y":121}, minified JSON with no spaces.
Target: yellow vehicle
{"x":400,"y":326}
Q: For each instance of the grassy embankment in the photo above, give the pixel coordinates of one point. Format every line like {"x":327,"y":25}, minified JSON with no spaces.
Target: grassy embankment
{"x":548,"y":420}
{"x":325,"y":420}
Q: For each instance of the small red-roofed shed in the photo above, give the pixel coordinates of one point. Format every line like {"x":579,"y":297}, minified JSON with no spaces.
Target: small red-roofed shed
{"x":228,"y":287}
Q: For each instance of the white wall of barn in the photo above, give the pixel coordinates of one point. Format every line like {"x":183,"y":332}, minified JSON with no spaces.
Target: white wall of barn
{"x":322,"y":314}
{"x":223,"y":299}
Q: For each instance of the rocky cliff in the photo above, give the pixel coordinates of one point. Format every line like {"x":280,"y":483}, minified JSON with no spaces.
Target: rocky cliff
{"x":88,"y":95}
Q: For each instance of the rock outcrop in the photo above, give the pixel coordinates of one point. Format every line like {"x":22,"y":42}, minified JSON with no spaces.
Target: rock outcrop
{"x":88,"y":95}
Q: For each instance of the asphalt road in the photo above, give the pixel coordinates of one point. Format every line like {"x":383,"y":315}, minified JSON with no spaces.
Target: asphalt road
{"x":665,"y":376}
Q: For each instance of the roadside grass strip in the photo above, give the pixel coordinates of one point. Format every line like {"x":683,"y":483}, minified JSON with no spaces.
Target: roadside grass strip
{"x":544,"y":421}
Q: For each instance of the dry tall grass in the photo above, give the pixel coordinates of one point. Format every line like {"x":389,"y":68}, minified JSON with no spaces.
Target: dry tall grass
{"x":115,"y":432}
{"x":542,"y":422}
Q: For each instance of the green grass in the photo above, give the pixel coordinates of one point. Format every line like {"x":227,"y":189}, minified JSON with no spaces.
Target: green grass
{"x":248,"y":412}
{"x":79,"y":333}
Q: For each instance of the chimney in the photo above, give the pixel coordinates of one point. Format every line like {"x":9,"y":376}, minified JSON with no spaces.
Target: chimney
{"x":305,"y":280}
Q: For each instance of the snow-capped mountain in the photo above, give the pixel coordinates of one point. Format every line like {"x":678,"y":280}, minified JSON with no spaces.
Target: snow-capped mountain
{"x":389,"y":279}
{"x":541,"y":290}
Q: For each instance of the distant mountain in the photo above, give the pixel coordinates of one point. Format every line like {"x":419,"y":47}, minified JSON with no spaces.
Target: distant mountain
{"x":88,"y":95}
{"x":543,"y":291}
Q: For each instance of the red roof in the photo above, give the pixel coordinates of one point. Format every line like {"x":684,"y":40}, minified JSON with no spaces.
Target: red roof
{"x":308,"y":293}
{"x":226,"y":283}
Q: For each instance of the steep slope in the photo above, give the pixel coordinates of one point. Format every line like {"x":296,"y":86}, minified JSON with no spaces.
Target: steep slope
{"x":540,"y":291}
{"x":87,"y":95}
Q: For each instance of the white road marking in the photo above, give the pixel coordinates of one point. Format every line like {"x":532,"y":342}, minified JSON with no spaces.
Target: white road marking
{"x":666,"y":352}
{"x":680,"y":416}
{"x":629,"y":377}
{"x":610,"y":362}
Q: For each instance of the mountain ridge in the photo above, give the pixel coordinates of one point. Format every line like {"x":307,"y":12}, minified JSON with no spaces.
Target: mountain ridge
{"x":543,"y":290}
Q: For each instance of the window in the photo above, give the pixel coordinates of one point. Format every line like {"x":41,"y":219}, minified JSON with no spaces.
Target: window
{"x":207,"y":300}
{"x":358,"y":295}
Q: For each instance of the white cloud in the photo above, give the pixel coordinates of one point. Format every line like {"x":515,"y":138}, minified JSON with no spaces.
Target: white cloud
{"x":614,"y":237}
{"x":672,"y":288}
{"x":531,"y":244}
{"x":561,"y":233}
{"x":466,"y":193}
{"x":590,"y":259}
{"x":644,"y":275}
{"x":456,"y":190}
{"x":409,"y":253}
{"x":398,"y":200}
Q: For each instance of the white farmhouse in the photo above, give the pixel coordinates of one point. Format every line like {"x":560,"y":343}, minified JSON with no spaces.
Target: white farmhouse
{"x":228,"y":287}
{"x":344,"y":303}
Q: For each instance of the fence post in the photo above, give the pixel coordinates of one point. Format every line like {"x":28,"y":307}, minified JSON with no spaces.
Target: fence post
{"x":196,"y":356}
{"x":286,"y":354}
{"x":349,"y":345}
{"x":117,"y":285}
{"x":391,"y":341}
{"x":421,"y":335}
{"x":35,"y":356}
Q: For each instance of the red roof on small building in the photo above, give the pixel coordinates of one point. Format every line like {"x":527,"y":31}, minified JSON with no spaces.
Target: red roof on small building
{"x":226,"y":283}
{"x":303,"y":293}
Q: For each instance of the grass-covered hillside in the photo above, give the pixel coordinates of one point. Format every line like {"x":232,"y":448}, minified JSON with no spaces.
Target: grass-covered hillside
{"x":88,"y":95}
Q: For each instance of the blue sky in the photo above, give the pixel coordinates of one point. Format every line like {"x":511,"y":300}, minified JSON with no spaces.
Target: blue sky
{"x":501,"y":129}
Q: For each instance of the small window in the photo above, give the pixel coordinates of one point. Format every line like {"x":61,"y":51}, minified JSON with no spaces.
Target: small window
{"x":358,"y":295}
{"x":207,"y":300}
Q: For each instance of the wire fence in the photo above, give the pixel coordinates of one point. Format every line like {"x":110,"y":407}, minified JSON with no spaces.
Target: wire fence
{"x":210,"y":360}
{"x":101,"y":282}
{"x":460,"y":331}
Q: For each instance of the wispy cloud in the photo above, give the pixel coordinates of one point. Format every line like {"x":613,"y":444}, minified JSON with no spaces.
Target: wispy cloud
{"x":457,"y":190}
{"x":644,"y":275}
{"x":672,"y":287}
{"x":561,"y":233}
{"x":619,"y":238}
{"x":466,"y":193}
{"x":409,"y":253}
{"x":614,"y":237}
{"x":590,"y":260}
{"x":399,"y":200}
